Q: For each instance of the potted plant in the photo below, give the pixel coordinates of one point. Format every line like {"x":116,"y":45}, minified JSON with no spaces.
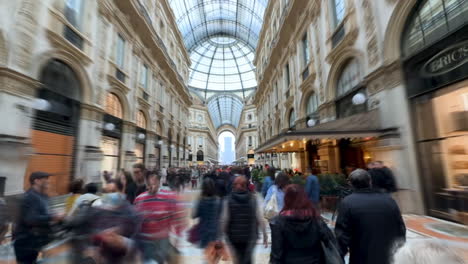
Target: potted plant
{"x":330,"y":188}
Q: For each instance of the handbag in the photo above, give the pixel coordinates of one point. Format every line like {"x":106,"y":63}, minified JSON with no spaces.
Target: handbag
{"x":271,"y":209}
{"x":194,"y":234}
{"x":329,"y":248}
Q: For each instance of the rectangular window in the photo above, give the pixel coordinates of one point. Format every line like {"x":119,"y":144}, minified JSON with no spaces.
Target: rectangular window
{"x":339,"y":9}
{"x":200,"y":141}
{"x":305,"y":50}
{"x":250,"y":140}
{"x":287,"y":75}
{"x":74,"y":12}
{"x":144,"y":77}
{"x":120,"y":51}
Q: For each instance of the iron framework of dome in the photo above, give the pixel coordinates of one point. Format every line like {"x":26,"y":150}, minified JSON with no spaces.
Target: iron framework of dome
{"x":221,"y":37}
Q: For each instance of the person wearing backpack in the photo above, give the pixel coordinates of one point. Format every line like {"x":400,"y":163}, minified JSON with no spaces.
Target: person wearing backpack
{"x":89,"y":197}
{"x":241,"y":221}
{"x":274,"y":200}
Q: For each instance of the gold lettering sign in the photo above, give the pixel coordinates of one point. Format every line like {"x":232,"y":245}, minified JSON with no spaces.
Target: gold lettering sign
{"x":446,"y":60}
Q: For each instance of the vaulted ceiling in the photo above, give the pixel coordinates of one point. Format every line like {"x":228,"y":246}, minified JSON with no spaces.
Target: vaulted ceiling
{"x":221,"y":37}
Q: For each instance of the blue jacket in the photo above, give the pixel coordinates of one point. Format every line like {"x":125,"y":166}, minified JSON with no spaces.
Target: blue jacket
{"x":267,"y":183}
{"x":209,"y":212}
{"x":312,"y":188}
{"x":279,"y":196}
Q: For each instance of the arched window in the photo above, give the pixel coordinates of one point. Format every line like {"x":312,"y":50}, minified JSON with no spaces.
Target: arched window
{"x":113,"y":105}
{"x":292,"y":118}
{"x":158,"y":128}
{"x":349,"y":78}
{"x":432,"y":20}
{"x":141,"y":119}
{"x":312,"y":104}
{"x":349,"y":84}
{"x":200,"y":156}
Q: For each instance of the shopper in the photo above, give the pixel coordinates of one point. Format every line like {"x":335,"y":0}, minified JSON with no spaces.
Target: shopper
{"x":33,"y":225}
{"x":369,"y":223}
{"x":277,"y":190}
{"x":208,"y":211}
{"x":268,"y":181}
{"x":129,"y":186}
{"x":76,"y":189}
{"x":89,"y":197}
{"x":382,"y":178}
{"x":139,"y":172}
{"x":312,"y":188}
{"x":242,"y":220}
{"x":161,"y":214}
{"x":298,"y":231}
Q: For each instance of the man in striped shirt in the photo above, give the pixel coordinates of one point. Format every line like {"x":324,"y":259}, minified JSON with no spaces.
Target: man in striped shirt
{"x":162,"y":214}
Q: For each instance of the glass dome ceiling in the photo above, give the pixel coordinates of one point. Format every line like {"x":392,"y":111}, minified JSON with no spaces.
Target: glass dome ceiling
{"x":222,"y":63}
{"x":221,"y":37}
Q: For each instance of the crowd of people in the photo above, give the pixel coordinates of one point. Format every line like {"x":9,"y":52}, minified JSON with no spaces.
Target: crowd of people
{"x":139,"y":217}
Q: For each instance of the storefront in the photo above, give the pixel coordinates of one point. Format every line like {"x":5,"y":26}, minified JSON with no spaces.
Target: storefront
{"x":55,"y":126}
{"x":140,"y":139}
{"x":112,"y":134}
{"x":435,"y":60}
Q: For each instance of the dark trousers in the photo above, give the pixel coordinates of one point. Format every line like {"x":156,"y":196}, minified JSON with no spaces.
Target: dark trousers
{"x":26,"y":252}
{"x":242,"y":252}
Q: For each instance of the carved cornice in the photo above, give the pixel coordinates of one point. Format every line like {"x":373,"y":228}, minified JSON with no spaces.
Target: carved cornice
{"x":118,"y":84}
{"x":17,"y":83}
{"x":91,"y":112}
{"x":58,"y":42}
{"x":348,"y":41}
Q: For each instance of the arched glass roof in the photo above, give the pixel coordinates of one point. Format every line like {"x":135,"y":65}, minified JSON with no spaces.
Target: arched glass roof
{"x":221,"y":37}
{"x":225,"y":109}
{"x":222,"y":63}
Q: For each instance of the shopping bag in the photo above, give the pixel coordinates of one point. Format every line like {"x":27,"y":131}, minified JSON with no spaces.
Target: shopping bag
{"x":194,"y":234}
{"x":271,"y":209}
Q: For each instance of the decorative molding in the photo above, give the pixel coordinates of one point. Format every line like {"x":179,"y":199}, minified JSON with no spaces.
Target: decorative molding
{"x":118,"y":84}
{"x":17,"y":83}
{"x":373,"y":50}
{"x":91,"y":112}
{"x":25,"y":30}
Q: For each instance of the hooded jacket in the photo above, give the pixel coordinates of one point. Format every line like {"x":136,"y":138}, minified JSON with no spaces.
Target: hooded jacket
{"x":298,"y":240}
{"x":242,"y":225}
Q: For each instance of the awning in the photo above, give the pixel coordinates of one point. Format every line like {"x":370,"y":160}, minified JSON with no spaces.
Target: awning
{"x":365,"y":125}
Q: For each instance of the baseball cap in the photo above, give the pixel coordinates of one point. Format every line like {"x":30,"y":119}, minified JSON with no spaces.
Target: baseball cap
{"x":38,"y":175}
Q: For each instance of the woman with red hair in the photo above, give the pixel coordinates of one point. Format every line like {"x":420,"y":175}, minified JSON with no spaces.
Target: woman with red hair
{"x":298,"y":232}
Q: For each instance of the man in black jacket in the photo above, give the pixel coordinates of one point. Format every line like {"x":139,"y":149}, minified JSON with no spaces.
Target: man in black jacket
{"x":242,"y":220}
{"x":369,"y":223}
{"x":33,"y":226}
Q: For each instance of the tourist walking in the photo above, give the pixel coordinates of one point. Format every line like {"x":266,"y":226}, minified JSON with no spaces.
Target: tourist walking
{"x":208,"y":211}
{"x":275,"y":193}
{"x":76,"y":189}
{"x":268,"y":181}
{"x":32,"y":230}
{"x":161,"y":215}
{"x":298,"y":232}
{"x":89,"y":197}
{"x":139,"y":173}
{"x":312,"y":188}
{"x":369,"y":223}
{"x":242,"y":220}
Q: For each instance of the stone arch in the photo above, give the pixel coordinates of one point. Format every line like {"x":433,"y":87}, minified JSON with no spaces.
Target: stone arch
{"x":124,"y":101}
{"x":74,"y":63}
{"x":338,"y":66}
{"x":3,"y":49}
{"x":395,"y":28}
{"x":288,"y":115}
{"x":146,"y":117}
{"x":224,"y":128}
{"x":304,"y":100}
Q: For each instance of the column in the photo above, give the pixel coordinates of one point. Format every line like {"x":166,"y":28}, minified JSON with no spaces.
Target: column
{"x":128,"y":157}
{"x":164,"y":154}
{"x":89,"y":154}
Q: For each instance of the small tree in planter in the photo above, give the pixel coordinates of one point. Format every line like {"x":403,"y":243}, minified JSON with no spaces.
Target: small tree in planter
{"x":330,"y":186}
{"x":257,"y":177}
{"x":298,"y":179}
